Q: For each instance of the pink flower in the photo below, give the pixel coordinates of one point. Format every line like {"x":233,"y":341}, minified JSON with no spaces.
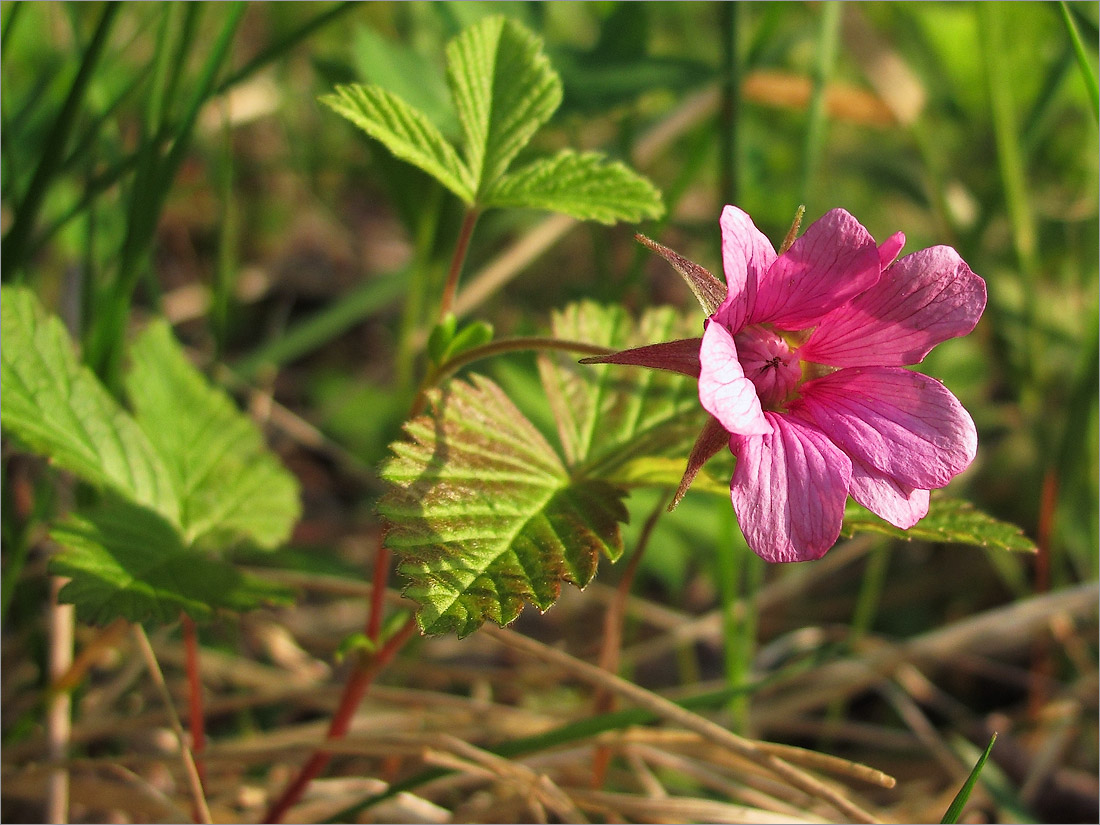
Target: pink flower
{"x":801,"y":367}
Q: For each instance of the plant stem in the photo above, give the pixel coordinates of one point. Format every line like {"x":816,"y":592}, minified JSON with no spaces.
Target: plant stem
{"x":815,"y":125}
{"x":469,"y":221}
{"x":613,"y":636}
{"x":354,"y":690}
{"x":518,"y":344}
{"x":194,"y":693}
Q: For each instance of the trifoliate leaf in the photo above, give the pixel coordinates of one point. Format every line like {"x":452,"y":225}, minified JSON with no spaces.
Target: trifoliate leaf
{"x":58,"y":408}
{"x":405,"y":131}
{"x":125,"y":560}
{"x":609,"y":414}
{"x":586,"y":186}
{"x":229,"y":485}
{"x":504,"y":89}
{"x":949,"y":520}
{"x":483,"y":514}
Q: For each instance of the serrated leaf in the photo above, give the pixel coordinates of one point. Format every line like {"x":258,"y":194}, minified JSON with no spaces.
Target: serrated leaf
{"x":58,"y":408}
{"x":405,"y":131}
{"x":609,"y":414}
{"x":125,"y":560}
{"x":483,"y":514}
{"x":229,"y":485}
{"x":665,"y":471}
{"x":949,"y":520}
{"x":586,"y":186}
{"x":504,"y":89}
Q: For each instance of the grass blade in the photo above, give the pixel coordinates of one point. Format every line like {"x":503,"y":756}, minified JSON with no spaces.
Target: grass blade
{"x":13,"y":247}
{"x":955,"y":809}
{"x":1082,"y":60}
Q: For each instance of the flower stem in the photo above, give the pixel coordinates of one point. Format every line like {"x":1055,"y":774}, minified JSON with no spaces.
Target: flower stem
{"x":446,"y":303}
{"x":194,"y":692}
{"x":354,"y":690}
{"x":519,"y":344}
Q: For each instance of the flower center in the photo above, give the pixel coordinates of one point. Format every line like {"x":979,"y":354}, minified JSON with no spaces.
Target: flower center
{"x":769,"y":363}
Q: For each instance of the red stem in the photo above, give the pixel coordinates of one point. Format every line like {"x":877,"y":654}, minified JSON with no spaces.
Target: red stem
{"x":194,"y":690}
{"x":354,"y":691}
{"x":459,"y":257}
{"x":378,"y":588}
{"x":613,"y":639}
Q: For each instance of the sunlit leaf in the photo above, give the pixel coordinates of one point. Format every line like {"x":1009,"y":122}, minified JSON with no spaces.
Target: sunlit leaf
{"x":483,"y":514}
{"x":586,"y":186}
{"x":949,"y":520}
{"x":609,"y":414}
{"x":405,"y":131}
{"x":955,"y":809}
{"x":58,"y":408}
{"x":229,"y":485}
{"x":125,"y":560}
{"x":504,"y":89}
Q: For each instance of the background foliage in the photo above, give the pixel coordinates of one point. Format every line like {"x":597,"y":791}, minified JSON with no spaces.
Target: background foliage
{"x":177,"y":160}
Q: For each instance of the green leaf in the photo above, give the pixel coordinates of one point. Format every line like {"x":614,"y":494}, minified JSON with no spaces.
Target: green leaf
{"x":58,"y":408}
{"x":955,"y":809}
{"x":125,"y":560}
{"x":609,"y":414}
{"x":586,"y":186}
{"x":504,"y":89}
{"x":949,"y":520}
{"x":483,"y":514}
{"x":229,"y":485}
{"x":405,"y":131}
{"x":471,"y":336}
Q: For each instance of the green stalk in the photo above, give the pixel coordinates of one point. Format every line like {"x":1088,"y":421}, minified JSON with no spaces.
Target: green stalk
{"x":816,"y":118}
{"x":14,"y":245}
{"x":1082,"y":60}
{"x":1013,"y":176}
{"x":731,"y":102}
{"x":8,"y":25}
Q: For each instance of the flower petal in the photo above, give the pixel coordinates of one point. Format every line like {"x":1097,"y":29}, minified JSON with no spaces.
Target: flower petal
{"x":901,"y":423}
{"x":835,"y":260}
{"x":922,"y":300}
{"x":888,"y":250}
{"x":901,"y":505}
{"x":675,"y":356}
{"x":724,"y":391}
{"x":788,"y":490}
{"x":746,"y":256}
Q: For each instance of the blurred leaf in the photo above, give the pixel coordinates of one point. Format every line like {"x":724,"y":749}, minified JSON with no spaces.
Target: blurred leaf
{"x":610,"y":414}
{"x":58,"y":408}
{"x":662,"y":471}
{"x":471,"y":336}
{"x":483,"y":514}
{"x":406,"y":132}
{"x":585,"y":186}
{"x":229,"y":485}
{"x":403,"y":72}
{"x":504,"y":89}
{"x":594,"y":83}
{"x":949,"y":520}
{"x":955,"y":809}
{"x":440,"y":338}
{"x":125,"y":560}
